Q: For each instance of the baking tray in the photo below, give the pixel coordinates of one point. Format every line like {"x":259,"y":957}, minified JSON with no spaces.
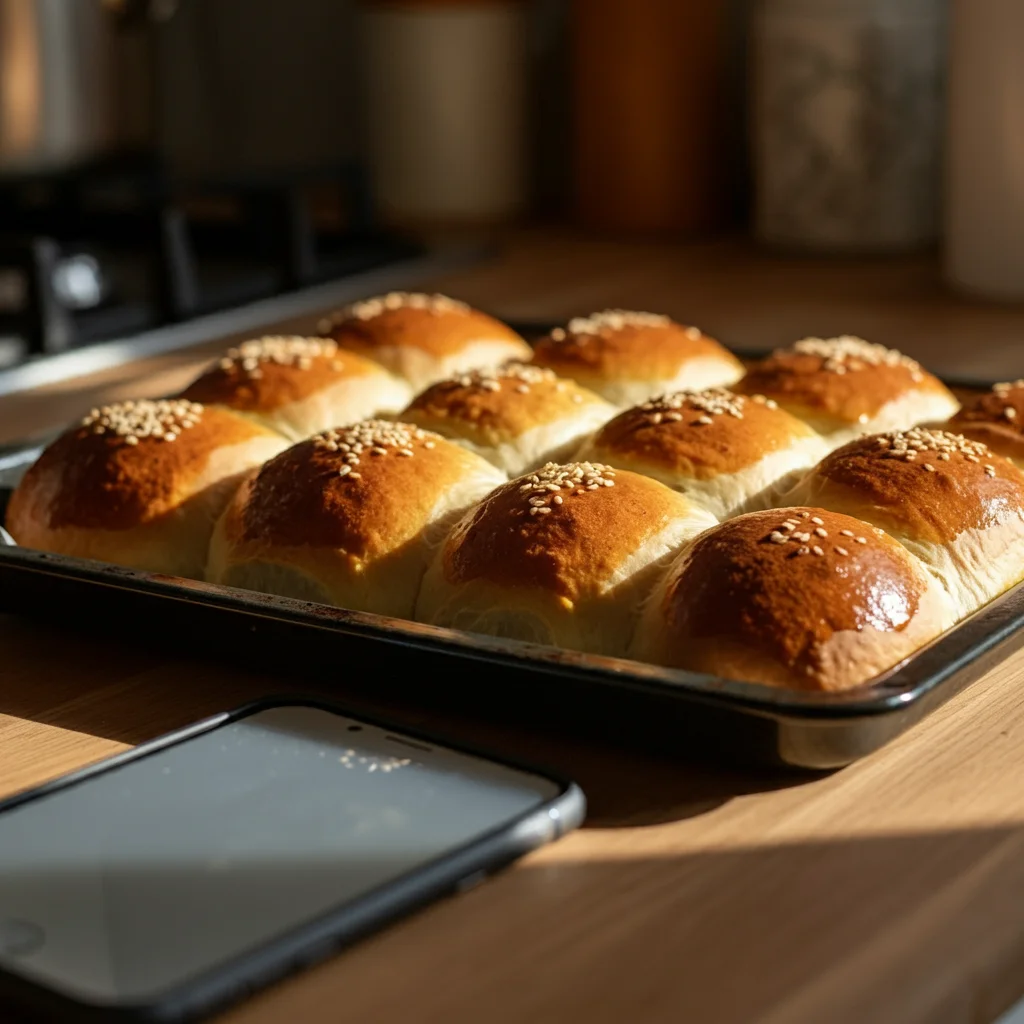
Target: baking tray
{"x":400,"y":660}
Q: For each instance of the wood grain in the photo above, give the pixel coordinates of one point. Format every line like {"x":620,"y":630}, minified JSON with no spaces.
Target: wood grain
{"x":890,"y":891}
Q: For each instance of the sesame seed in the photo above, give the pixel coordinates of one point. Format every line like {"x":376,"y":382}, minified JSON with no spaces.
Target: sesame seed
{"x":821,"y":531}
{"x":861,"y":540}
{"x":841,"y":551}
{"x":576,"y":477}
{"x":817,"y":550}
{"x":846,"y":353}
{"x":777,"y":538}
{"x":605,"y":322}
{"x":817,"y":520}
{"x":846,"y":533}
{"x":803,"y":550}
{"x":704,"y":420}
{"x":928,"y":467}
{"x":369,"y":309}
{"x":159,"y":420}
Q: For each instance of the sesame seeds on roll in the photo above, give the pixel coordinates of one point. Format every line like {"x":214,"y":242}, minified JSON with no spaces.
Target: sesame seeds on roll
{"x":952,"y":502}
{"x":730,"y":453}
{"x":629,"y":356}
{"x":844,"y":387}
{"x":562,"y":556}
{"x":298,"y":386}
{"x":139,"y":484}
{"x":349,"y":517}
{"x":423,"y":338}
{"x":996,"y":418}
{"x":517,"y":416}
{"x":798,"y":598}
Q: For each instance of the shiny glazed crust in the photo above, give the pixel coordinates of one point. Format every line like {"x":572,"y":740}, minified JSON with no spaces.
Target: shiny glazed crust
{"x":517,"y":416}
{"x":298,"y":386}
{"x":849,"y":383}
{"x":996,"y":419}
{"x":729,"y":452}
{"x":800,"y":597}
{"x":950,"y":501}
{"x":351,"y":514}
{"x":138,"y":484}
{"x":562,"y":556}
{"x":424,"y":338}
{"x":609,"y":351}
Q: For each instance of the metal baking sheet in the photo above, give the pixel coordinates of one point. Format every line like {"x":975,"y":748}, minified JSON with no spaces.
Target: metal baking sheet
{"x":432,"y":666}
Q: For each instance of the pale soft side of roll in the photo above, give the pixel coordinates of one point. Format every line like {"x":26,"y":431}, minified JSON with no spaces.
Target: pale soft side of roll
{"x":846,"y":387}
{"x":796,"y":598}
{"x":424,"y":338}
{"x":629,"y":357}
{"x":730,"y":453}
{"x":564,"y":556}
{"x":953,"y":503}
{"x":299,"y":386}
{"x":350,"y":517}
{"x":517,"y":417}
{"x":996,"y":419}
{"x":139,"y":484}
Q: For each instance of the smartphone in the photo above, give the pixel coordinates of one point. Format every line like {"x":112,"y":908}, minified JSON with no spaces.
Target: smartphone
{"x":167,"y":882}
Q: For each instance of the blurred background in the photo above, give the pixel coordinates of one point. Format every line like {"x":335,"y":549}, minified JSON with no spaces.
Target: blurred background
{"x":160,"y":159}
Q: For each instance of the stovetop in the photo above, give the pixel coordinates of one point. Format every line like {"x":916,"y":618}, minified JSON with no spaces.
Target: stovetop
{"x":113,"y":261}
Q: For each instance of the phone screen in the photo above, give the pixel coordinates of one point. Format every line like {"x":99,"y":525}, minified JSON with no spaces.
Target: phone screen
{"x":119,"y":887}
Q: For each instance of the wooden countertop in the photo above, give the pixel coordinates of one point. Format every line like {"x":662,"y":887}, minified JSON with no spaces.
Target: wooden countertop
{"x":892,"y":890}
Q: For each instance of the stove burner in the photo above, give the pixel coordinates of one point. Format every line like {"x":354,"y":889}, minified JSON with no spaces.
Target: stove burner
{"x":115,"y":249}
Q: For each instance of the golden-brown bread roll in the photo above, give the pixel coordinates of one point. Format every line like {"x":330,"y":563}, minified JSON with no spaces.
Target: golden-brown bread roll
{"x":730,"y":453}
{"x":139,"y":484}
{"x":424,"y":338}
{"x":997,"y":420}
{"x":845,"y":387}
{"x":629,"y":357}
{"x":299,"y":386}
{"x":563,"y":556}
{"x":800,"y":598}
{"x":517,"y":416}
{"x":950,"y":501}
{"x":349,"y":517}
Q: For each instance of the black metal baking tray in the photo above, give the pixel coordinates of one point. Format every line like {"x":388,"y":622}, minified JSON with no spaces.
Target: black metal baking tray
{"x":409,"y":661}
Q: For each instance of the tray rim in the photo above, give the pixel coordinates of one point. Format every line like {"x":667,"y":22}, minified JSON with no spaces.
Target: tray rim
{"x":893,"y":691}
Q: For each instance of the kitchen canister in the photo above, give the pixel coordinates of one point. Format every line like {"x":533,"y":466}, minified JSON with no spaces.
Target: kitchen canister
{"x":446,"y":84}
{"x":847,"y":118}
{"x":650,"y":118}
{"x":984,"y":207}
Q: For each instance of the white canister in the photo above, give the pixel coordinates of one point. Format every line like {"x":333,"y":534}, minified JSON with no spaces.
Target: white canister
{"x":984,"y":208}
{"x":847,"y":120}
{"x":446,"y":98}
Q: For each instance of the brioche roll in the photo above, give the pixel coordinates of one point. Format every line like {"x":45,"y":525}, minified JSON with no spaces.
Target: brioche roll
{"x":800,"y":598}
{"x":139,"y":484}
{"x":349,"y":517}
{"x":729,"y":453}
{"x":299,"y":386}
{"x":950,"y":501}
{"x":845,"y":387}
{"x":629,"y":357}
{"x":996,"y":419}
{"x":563,"y":556}
{"x":424,"y":338}
{"x":517,"y":416}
